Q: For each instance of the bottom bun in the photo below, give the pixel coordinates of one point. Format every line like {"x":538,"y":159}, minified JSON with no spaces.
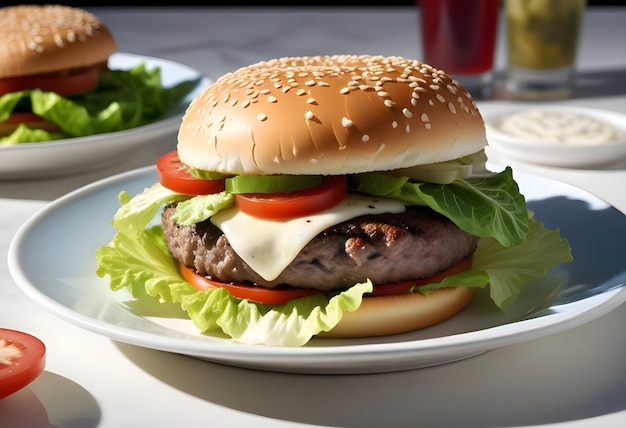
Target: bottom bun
{"x":401,"y":313}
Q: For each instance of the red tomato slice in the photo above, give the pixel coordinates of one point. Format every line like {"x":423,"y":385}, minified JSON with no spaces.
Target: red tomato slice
{"x":175,"y":175}
{"x":273,"y":296}
{"x":405,"y":286}
{"x":29,"y":119}
{"x":24,"y":118}
{"x":256,"y":294}
{"x":64,"y":84}
{"x":294,"y":204}
{"x":22,"y":359}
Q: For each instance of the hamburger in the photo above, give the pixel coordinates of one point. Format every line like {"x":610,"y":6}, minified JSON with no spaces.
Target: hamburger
{"x":52,"y":48}
{"x":344,"y":196}
{"x":55,"y":80}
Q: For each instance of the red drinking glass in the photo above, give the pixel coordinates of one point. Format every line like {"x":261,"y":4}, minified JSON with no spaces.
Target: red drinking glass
{"x":459,"y":36}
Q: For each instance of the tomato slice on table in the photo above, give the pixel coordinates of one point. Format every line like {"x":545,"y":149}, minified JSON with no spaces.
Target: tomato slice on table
{"x":175,"y":175}
{"x":65,"y":84}
{"x":270,"y":296}
{"x":294,"y":204}
{"x":22,"y":359}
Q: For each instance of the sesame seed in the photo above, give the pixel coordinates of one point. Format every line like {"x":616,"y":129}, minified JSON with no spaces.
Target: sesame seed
{"x":365,"y":138}
{"x":346,"y":123}
{"x":389,"y":103}
{"x":309,"y":115}
{"x":261,"y":117}
{"x":451,"y":107}
{"x":407,"y":113}
{"x":311,"y":101}
{"x":271,"y":99}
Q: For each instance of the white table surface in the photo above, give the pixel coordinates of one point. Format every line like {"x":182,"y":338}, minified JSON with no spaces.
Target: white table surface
{"x":575,"y":378}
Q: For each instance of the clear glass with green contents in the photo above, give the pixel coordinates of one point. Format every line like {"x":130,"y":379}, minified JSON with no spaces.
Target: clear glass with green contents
{"x":542,"y":43}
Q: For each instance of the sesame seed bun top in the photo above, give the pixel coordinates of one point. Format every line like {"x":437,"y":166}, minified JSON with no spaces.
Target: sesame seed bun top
{"x":45,"y":39}
{"x":339,"y":114}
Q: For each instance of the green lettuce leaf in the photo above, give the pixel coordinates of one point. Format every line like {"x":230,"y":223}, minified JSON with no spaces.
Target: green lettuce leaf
{"x":507,"y":270}
{"x":124,"y":99}
{"x":489,"y":206}
{"x":135,"y":213}
{"x":23,"y":133}
{"x":200,"y":208}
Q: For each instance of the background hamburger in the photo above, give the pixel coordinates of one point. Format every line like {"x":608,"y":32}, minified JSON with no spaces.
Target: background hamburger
{"x":340,"y":195}
{"x":55,"y":80}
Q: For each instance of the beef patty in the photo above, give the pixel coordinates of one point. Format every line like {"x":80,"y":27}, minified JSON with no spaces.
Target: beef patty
{"x":384,"y":248}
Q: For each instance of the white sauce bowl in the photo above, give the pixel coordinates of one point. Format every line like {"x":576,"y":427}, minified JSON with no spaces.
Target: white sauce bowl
{"x":586,"y":151}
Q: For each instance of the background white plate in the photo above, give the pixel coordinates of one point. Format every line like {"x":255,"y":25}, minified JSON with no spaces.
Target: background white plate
{"x":555,"y":154}
{"x":73,"y":155}
{"x":52,"y":260}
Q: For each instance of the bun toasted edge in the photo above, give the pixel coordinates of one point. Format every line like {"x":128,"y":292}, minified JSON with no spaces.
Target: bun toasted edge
{"x":401,"y":313}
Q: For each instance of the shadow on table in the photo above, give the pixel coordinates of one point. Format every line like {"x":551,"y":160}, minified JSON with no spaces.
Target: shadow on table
{"x":51,"y":401}
{"x":478,"y":392}
{"x":589,"y":84}
{"x":600,"y":83}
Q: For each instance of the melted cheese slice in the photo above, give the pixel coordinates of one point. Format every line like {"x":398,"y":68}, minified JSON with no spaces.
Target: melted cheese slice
{"x":268,"y":246}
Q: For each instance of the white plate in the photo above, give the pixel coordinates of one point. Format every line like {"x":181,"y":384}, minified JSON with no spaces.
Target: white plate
{"x":73,"y":155}
{"x":555,"y":154}
{"x":52,"y":260}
